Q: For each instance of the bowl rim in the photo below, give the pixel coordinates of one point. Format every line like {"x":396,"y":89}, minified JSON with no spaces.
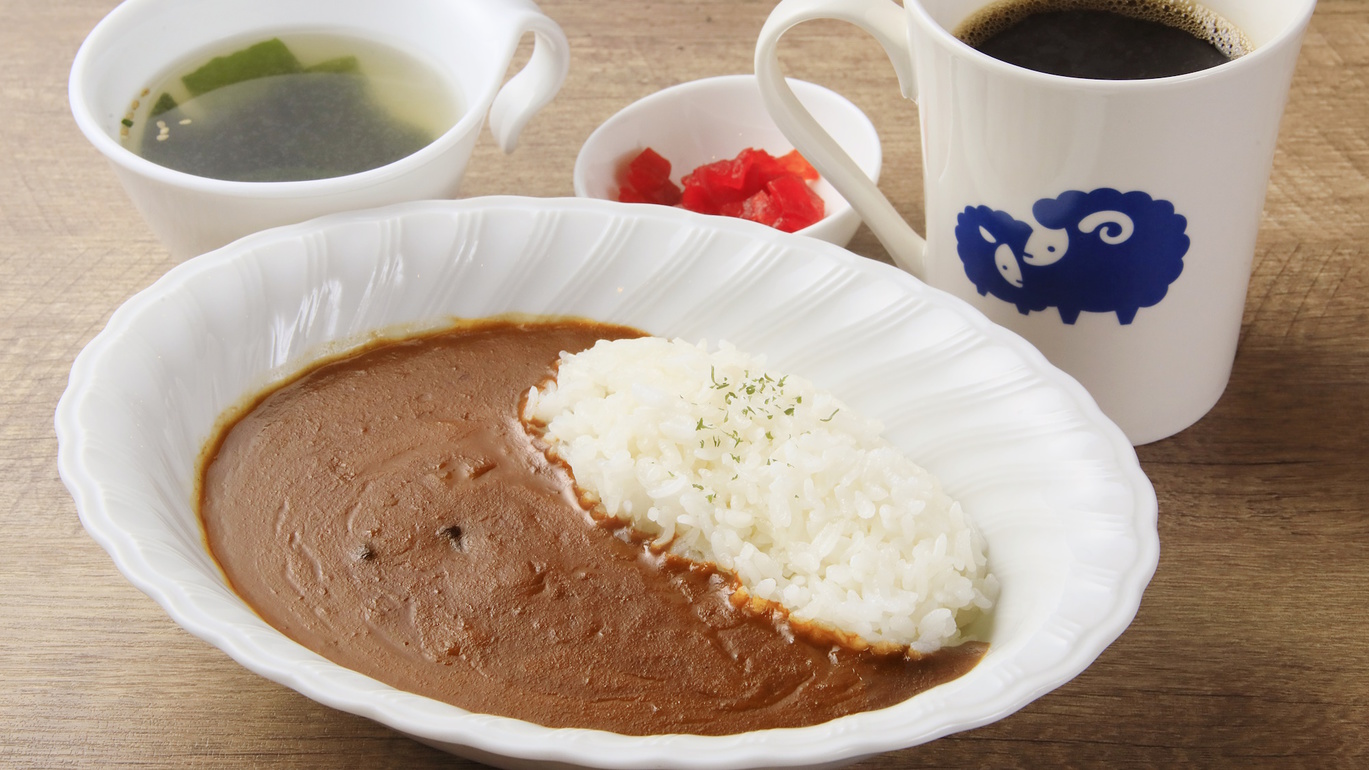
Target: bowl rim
{"x":839,"y":740}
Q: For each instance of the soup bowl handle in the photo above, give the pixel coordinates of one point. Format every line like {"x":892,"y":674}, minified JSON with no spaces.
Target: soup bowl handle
{"x":534,"y":86}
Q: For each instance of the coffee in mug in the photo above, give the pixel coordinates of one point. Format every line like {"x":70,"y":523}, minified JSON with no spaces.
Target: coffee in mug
{"x":1104,"y":39}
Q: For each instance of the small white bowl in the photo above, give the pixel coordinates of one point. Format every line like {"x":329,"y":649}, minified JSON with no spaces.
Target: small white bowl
{"x":468,"y":42}
{"x":702,"y":121}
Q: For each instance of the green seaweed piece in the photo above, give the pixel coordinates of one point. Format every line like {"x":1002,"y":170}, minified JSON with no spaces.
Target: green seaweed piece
{"x":165,"y":103}
{"x":342,"y":65}
{"x":267,"y":58}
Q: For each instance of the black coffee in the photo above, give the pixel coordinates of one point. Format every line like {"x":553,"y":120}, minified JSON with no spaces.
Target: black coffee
{"x":1104,"y":39}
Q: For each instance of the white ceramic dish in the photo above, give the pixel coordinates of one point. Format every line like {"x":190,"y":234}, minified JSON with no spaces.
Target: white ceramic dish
{"x":469,"y":42}
{"x":1069,"y":517}
{"x":701,"y":121}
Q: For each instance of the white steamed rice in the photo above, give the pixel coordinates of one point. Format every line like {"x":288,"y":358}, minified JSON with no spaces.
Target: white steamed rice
{"x":775,"y":482}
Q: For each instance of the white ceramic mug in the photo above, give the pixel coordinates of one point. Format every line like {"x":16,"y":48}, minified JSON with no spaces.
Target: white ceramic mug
{"x":1111,"y":223}
{"x":469,"y":42}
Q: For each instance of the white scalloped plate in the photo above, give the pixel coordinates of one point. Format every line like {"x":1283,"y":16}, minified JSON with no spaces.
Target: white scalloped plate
{"x":1069,"y":517}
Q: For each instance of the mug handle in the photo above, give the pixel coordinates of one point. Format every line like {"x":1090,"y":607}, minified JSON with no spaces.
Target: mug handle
{"x":885,"y":21}
{"x":534,"y":86}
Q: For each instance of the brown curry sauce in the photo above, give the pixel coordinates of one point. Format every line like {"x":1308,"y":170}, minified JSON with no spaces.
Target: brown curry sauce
{"x":390,"y":512}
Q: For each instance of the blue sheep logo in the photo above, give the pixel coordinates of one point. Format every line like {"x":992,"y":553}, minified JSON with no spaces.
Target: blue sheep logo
{"x":1103,"y":252}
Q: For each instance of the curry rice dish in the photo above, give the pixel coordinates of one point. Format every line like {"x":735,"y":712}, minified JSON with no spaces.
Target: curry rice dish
{"x":390,"y":511}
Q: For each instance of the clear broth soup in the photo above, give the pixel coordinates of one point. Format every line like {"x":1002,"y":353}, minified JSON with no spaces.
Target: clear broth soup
{"x":291,"y":108}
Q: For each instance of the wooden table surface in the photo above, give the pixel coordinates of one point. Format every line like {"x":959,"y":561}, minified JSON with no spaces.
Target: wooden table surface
{"x":1251,"y":646}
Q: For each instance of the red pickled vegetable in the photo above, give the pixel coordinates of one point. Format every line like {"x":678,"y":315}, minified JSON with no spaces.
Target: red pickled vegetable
{"x":696,"y":198}
{"x":798,"y":205}
{"x":755,"y":185}
{"x":761,"y":207}
{"x":796,"y":163}
{"x":646,"y":179}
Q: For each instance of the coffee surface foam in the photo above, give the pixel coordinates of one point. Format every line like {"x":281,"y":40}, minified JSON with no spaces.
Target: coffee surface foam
{"x":1193,"y":18}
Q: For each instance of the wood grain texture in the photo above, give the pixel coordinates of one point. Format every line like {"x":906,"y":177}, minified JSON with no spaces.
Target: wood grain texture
{"x":1251,"y":647}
